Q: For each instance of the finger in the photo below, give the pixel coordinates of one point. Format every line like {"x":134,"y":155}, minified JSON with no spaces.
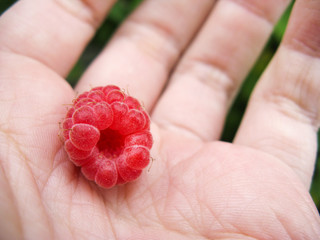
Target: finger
{"x":144,"y":50}
{"x":211,"y":71}
{"x":283,"y":114}
{"x":51,"y":32}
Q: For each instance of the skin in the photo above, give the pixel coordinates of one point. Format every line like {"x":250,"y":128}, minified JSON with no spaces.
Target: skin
{"x":197,"y":187}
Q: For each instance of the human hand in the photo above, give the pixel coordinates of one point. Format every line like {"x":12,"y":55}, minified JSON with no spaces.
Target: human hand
{"x":198,"y":187}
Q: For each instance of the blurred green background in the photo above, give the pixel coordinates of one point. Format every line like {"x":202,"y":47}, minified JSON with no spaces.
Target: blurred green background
{"x":121,"y":10}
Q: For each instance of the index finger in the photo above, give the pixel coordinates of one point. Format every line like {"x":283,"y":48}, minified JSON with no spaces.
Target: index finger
{"x":51,"y":32}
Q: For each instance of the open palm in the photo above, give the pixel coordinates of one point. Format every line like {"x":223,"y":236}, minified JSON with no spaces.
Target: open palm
{"x":197,"y":187}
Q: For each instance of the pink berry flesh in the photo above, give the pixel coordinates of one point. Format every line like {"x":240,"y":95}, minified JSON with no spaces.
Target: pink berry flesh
{"x":137,"y":157}
{"x":84,"y":136}
{"x":107,"y":134}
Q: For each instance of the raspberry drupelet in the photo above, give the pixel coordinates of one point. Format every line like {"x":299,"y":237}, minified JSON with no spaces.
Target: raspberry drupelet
{"x":107,"y":134}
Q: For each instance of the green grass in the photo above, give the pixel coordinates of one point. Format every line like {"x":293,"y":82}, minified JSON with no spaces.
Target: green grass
{"x":123,"y":8}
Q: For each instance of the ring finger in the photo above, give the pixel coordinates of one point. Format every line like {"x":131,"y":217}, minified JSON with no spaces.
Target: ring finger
{"x":213,"y":68}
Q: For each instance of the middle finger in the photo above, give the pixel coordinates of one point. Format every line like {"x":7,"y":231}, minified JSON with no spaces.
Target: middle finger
{"x":142,"y":53}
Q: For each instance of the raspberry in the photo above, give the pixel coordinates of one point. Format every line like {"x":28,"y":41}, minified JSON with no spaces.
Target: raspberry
{"x":107,"y":134}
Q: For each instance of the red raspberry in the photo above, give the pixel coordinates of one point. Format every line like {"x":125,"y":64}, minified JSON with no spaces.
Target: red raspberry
{"x":107,"y":133}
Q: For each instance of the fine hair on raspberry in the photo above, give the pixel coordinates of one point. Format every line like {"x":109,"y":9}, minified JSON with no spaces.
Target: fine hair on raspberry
{"x":106,"y":132}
